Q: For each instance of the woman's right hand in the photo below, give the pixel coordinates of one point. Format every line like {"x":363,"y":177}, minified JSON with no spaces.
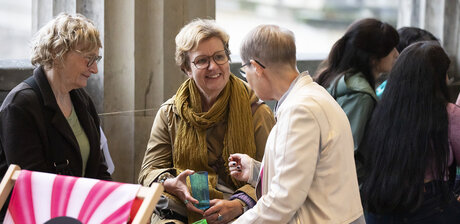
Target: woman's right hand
{"x":178,"y":186}
{"x":239,"y":166}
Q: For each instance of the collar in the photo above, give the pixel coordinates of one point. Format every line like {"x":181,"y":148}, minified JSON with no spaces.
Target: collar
{"x":278,"y":104}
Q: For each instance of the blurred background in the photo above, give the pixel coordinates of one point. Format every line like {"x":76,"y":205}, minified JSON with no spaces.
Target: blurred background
{"x":317,"y":24}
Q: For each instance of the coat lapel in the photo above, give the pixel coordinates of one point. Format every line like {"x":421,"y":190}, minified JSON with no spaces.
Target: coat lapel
{"x":90,"y":128}
{"x":58,"y":120}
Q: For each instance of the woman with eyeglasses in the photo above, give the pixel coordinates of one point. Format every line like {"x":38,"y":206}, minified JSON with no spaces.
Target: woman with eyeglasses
{"x":48,"y":122}
{"x":212,"y":115}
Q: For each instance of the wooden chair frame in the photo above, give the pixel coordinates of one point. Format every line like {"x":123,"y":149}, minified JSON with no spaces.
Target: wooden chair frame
{"x":150,"y":195}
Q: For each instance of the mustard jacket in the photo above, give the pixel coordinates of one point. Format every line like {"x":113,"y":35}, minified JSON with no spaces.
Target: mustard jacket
{"x":158,"y":156}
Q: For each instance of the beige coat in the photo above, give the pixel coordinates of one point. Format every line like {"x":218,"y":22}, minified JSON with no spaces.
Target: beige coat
{"x":159,"y":154}
{"x":309,"y":172}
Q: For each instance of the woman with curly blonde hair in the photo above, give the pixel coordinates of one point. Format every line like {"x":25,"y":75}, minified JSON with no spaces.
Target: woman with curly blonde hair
{"x":48,"y":123}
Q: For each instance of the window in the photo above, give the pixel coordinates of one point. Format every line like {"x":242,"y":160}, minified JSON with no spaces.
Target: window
{"x":317,"y":24}
{"x":15,"y":26}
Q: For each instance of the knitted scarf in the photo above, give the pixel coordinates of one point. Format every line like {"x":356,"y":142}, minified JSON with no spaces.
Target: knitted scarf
{"x":190,"y":146}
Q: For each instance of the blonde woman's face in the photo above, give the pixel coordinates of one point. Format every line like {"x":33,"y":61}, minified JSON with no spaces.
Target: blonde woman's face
{"x":210,"y":80}
{"x":75,"y":71}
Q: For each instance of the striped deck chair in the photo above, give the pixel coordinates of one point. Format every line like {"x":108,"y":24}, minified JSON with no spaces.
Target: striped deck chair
{"x":49,"y":198}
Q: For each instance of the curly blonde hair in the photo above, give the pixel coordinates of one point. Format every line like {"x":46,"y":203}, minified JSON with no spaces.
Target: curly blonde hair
{"x":192,"y":34}
{"x":62,"y":34}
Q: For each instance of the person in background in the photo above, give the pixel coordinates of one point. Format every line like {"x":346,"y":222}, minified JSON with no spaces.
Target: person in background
{"x":49,"y":123}
{"x":106,"y":153}
{"x":308,"y":173}
{"x":366,"y":50}
{"x":407,"y":36}
{"x":212,"y":115}
{"x":412,"y":144}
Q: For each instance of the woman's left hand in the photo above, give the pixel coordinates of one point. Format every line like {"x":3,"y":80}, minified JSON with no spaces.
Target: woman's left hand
{"x":225,"y":209}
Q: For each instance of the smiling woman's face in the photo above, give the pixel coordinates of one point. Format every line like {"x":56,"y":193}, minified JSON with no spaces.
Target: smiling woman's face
{"x":211,"y":80}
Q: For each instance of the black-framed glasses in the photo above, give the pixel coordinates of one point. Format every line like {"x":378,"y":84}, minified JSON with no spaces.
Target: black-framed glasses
{"x":91,"y":59}
{"x":243,"y":73}
{"x":203,"y":61}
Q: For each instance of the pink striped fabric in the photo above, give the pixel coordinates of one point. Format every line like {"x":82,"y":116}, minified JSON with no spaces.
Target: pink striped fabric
{"x":88,"y":200}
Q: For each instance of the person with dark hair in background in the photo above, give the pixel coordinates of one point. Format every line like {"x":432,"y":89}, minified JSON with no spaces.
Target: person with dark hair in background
{"x":367,"y":49}
{"x":407,"y":36}
{"x":48,"y":123}
{"x":413,"y":143}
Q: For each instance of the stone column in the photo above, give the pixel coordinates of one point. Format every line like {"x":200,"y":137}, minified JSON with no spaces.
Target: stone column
{"x":44,"y":10}
{"x":94,"y":10}
{"x":440,"y":17}
{"x":157,"y":76}
{"x":119,"y":80}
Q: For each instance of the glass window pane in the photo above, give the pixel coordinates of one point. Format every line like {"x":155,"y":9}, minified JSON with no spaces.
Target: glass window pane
{"x":15,"y":26}
{"x":317,"y":24}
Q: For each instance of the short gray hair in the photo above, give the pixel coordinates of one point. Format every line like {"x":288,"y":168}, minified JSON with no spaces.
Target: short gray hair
{"x":270,"y":44}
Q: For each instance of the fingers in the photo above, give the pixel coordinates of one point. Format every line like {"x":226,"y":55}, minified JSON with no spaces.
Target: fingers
{"x":185,"y":174}
{"x":212,"y":208}
{"x":190,"y":203}
{"x":215,"y":218}
{"x":234,"y":168}
{"x":191,"y":199}
{"x":222,"y":211}
{"x":192,"y":208}
{"x":235,"y":157}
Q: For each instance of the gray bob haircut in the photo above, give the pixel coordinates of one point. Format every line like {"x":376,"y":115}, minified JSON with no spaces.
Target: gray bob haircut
{"x":192,"y":34}
{"x":270,"y":44}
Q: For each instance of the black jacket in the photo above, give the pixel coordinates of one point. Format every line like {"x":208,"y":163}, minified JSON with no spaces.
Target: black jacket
{"x":23,"y":131}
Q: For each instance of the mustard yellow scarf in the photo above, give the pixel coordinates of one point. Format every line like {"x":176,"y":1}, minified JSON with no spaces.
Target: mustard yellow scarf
{"x":190,"y":147}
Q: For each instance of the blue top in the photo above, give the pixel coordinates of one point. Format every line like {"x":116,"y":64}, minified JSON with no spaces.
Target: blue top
{"x":379,"y":90}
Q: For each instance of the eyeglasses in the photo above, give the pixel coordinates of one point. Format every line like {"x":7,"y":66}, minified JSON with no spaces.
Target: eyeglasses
{"x":203,"y":61}
{"x":243,"y":73}
{"x":91,"y":59}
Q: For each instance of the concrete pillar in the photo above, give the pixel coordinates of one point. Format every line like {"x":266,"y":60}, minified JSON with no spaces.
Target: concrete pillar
{"x":442,"y":18}
{"x":44,"y":10}
{"x":434,"y":18}
{"x":119,"y":85}
{"x":94,"y":10}
{"x":157,"y":76}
